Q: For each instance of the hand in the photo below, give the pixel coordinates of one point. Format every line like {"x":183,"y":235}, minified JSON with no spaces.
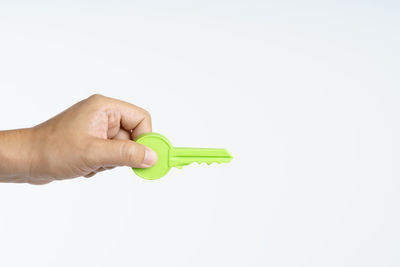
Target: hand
{"x":93,"y":135}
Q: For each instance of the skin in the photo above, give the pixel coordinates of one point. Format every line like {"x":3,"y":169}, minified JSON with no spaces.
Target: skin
{"x":91,"y":136}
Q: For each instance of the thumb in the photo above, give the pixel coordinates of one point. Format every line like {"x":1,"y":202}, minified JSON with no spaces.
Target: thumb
{"x":123,"y":153}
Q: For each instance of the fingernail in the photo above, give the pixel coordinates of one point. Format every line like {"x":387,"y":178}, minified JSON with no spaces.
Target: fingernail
{"x":150,"y":157}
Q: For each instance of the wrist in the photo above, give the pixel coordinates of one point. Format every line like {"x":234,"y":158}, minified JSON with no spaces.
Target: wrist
{"x":16,"y":153}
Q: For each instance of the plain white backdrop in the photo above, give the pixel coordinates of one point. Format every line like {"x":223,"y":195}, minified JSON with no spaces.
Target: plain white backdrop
{"x":304,"y":94}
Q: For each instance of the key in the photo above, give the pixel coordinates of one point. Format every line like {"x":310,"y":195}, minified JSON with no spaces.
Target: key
{"x":169,"y":156}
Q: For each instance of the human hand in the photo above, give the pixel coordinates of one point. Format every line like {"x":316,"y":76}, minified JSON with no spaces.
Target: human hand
{"x":93,"y":135}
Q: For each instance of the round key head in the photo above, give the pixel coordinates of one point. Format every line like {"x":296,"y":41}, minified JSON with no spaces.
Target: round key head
{"x":161,"y":146}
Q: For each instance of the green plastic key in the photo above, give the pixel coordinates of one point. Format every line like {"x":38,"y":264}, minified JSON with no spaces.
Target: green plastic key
{"x":169,"y":156}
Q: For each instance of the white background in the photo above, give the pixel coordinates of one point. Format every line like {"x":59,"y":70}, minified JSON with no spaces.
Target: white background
{"x":304,"y":94}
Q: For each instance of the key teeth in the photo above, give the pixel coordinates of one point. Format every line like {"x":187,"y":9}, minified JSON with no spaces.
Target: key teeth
{"x":208,"y":163}
{"x":198,"y":162}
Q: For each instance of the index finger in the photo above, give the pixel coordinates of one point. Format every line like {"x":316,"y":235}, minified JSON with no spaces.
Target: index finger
{"x":133,"y":118}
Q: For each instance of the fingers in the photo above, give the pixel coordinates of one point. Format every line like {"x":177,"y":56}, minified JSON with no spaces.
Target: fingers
{"x":133,"y":118}
{"x":90,"y":174}
{"x":121,"y":153}
{"x":122,"y":135}
{"x":101,"y":169}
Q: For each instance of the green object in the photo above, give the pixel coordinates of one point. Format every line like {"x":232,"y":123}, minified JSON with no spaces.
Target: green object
{"x":178,"y":157}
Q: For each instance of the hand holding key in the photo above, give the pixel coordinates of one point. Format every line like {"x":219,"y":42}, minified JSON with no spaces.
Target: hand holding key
{"x":94,"y":135}
{"x":169,"y":156}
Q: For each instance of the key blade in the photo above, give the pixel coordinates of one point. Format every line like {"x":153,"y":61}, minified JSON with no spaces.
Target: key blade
{"x":181,"y":156}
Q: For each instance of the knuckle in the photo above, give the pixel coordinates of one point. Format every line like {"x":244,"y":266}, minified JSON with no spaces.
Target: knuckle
{"x":146,"y":114}
{"x":95,"y":97}
{"x":114,"y":118}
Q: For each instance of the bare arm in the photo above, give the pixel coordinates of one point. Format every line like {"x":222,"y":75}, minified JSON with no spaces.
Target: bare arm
{"x":93,"y":135}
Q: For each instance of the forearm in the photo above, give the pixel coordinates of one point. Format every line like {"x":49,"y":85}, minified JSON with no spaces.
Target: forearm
{"x":15,"y":155}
